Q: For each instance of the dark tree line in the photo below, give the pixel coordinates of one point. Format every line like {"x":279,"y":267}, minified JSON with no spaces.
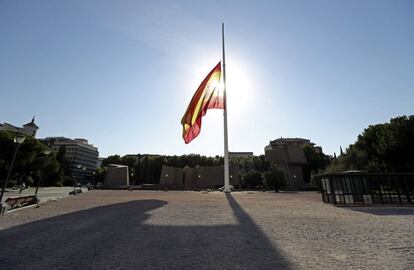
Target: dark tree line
{"x":29,"y":162}
{"x":255,"y":171}
{"x":146,"y":169}
{"x":387,"y":147}
{"x":316,"y":162}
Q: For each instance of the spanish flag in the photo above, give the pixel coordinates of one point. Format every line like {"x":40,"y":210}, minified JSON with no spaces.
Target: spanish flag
{"x":208,"y":96}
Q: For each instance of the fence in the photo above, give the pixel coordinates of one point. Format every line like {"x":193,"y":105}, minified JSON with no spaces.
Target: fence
{"x":368,"y":188}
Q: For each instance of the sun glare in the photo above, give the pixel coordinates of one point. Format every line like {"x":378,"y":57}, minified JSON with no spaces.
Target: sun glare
{"x":239,"y":87}
{"x":240,"y":82}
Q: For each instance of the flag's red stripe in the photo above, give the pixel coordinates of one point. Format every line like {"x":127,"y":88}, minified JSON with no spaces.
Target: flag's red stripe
{"x":210,"y":102}
{"x":200,"y":90}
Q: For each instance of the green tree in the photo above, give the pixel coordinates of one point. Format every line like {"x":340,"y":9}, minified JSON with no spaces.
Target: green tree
{"x":99,"y":175}
{"x":114,"y":159}
{"x":252,"y":179}
{"x":29,"y":160}
{"x":316,"y":162}
{"x":384,"y":147}
{"x":128,"y":161}
{"x":274,"y":178}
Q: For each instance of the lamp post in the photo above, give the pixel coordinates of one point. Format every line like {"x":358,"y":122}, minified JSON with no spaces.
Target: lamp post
{"x":94,"y":177}
{"x":199,"y":178}
{"x":84,"y":178}
{"x":46,"y":153}
{"x":131,"y":180}
{"x":74,"y":179}
{"x":18,"y":140}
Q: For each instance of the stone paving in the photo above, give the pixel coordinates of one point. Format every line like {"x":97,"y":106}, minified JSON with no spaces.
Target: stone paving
{"x":205,"y":230}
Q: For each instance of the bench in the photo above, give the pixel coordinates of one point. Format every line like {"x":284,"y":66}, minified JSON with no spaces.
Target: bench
{"x":20,"y":201}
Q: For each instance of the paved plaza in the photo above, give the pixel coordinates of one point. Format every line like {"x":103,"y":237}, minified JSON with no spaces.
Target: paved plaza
{"x":205,"y":230}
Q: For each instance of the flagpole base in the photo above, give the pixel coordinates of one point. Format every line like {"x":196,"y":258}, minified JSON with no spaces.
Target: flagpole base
{"x":227,"y":191}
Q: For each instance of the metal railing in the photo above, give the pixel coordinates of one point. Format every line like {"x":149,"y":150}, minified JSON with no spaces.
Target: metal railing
{"x":368,"y":188}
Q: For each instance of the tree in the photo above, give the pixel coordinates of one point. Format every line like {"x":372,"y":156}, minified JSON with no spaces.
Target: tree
{"x":252,"y":179}
{"x":128,"y":161}
{"x":315,"y":162}
{"x":52,"y":174}
{"x":274,"y":178}
{"x":60,"y":157}
{"x":29,"y":160}
{"x":99,"y":175}
{"x":387,"y":147}
{"x":114,"y":159}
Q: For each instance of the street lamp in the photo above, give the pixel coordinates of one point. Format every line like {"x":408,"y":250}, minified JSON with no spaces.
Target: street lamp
{"x":74,"y":179}
{"x":83,"y":177}
{"x":199,"y":178}
{"x":46,"y":153}
{"x":18,"y":140}
{"x":94,"y":177}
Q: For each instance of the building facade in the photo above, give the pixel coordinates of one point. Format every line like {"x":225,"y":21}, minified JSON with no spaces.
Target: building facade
{"x":288,"y":154}
{"x":29,"y":129}
{"x":81,"y":157}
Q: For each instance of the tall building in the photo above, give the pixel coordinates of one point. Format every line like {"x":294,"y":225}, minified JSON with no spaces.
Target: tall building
{"x":29,"y":129}
{"x":288,"y":154}
{"x":82,"y":158}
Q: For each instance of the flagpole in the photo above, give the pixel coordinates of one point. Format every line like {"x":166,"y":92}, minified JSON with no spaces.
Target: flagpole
{"x":226,"y":144}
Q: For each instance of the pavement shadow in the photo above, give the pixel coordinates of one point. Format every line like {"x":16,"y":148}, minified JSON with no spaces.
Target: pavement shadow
{"x":116,"y":237}
{"x":253,"y":243}
{"x":385,"y":211}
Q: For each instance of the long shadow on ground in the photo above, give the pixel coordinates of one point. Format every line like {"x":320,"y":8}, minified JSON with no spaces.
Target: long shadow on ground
{"x":115,"y":237}
{"x":385,"y":211}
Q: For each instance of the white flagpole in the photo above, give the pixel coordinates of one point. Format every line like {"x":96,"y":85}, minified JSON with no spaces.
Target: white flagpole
{"x":226,"y":144}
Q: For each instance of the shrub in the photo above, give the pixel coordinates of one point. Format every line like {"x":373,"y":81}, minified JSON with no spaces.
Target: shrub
{"x":274,"y":178}
{"x":252,"y":179}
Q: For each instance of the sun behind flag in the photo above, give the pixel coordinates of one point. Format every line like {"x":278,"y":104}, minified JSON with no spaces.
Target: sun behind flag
{"x":207,"y":96}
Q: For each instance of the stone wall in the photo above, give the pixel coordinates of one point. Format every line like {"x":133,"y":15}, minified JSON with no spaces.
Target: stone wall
{"x":116,"y":175}
{"x":172,"y":177}
{"x":197,"y":177}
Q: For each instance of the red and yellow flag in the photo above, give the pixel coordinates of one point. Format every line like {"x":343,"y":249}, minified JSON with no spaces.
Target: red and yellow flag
{"x":208,"y":96}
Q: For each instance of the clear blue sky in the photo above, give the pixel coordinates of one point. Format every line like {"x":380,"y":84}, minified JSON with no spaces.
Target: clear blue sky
{"x":121,"y":73}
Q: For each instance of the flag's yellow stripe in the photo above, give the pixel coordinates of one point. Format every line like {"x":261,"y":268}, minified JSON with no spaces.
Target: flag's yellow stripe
{"x":215,"y":78}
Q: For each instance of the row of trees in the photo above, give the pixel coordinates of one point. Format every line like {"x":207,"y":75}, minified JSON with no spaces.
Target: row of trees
{"x":147,"y":168}
{"x":380,"y":148}
{"x":30,"y":162}
{"x":255,"y":171}
{"x":273,"y":178}
{"x":387,"y":147}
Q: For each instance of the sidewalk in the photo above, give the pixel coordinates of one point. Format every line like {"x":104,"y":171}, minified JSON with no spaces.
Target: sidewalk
{"x":45,"y":193}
